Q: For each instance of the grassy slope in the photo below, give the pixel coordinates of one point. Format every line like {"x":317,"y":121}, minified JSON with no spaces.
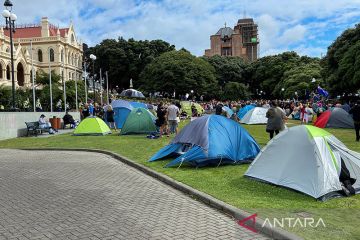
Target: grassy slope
{"x":227,"y":183}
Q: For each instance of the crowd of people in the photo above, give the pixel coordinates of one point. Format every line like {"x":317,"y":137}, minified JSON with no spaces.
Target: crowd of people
{"x":169,"y":113}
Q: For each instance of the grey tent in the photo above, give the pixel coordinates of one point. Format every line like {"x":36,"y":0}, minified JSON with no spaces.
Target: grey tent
{"x":256,"y":115}
{"x":310,"y":162}
{"x":335,"y":118}
{"x":132,"y":93}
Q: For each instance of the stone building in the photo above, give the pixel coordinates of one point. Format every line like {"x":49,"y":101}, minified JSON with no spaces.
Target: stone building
{"x":51,"y":45}
{"x":242,"y":41}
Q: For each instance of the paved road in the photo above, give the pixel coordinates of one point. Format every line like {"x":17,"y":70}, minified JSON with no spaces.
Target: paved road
{"x":77,"y":195}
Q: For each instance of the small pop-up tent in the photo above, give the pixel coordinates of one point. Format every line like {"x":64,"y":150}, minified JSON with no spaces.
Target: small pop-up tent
{"x":92,"y":126}
{"x":335,"y":118}
{"x":244,"y":110}
{"x":210,"y":140}
{"x":132,"y":93}
{"x":256,"y":115}
{"x":139,"y":121}
{"x":122,"y":110}
{"x":186,"y":107}
{"x":306,"y":159}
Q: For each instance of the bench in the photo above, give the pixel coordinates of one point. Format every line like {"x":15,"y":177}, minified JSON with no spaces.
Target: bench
{"x":33,"y":128}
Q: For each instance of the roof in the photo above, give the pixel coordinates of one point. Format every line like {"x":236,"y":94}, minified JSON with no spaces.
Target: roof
{"x":225,"y":31}
{"x":246,"y":21}
{"x":31,"y":32}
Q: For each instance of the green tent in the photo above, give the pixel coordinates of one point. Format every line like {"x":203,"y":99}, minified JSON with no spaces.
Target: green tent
{"x":92,"y":126}
{"x":186,"y":107}
{"x":139,"y":121}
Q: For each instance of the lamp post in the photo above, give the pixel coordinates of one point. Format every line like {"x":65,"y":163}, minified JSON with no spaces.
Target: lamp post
{"x":64,"y":85}
{"x":282,"y":93}
{"x":50,"y":83}
{"x":10,"y":19}
{"x":93,"y":58}
{"x":76,"y":87}
{"x":85,"y":79}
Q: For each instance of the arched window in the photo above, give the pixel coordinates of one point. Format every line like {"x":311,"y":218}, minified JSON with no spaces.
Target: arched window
{"x":31,"y":75}
{"x":52,"y":55}
{"x":40,"y":55}
{"x":8,"y":72}
{"x":1,"y":71}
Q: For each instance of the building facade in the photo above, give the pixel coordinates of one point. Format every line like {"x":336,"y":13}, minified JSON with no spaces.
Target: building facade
{"x":242,"y":41}
{"x":51,"y":46}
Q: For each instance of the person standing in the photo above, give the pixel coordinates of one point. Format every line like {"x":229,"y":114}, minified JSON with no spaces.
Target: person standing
{"x":110,"y":117}
{"x":161,"y":119}
{"x":276,"y":120}
{"x":85,"y":111}
{"x":172,"y":116}
{"x":355,"y":111}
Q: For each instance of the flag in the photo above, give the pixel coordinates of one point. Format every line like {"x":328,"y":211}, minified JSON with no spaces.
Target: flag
{"x":322,"y":91}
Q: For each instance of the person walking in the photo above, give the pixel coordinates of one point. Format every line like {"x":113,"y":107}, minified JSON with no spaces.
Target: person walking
{"x":276,"y":120}
{"x":355,"y":111}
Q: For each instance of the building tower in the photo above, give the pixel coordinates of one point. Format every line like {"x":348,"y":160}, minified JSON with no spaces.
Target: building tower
{"x":242,"y":41}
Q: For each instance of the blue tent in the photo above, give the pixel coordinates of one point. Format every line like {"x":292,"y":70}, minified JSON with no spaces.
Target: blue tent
{"x":229,"y":111}
{"x":210,"y":140}
{"x":244,"y":110}
{"x":139,"y":105}
{"x":122,"y":110}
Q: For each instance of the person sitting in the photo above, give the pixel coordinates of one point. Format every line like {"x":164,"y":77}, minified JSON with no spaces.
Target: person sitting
{"x":68,"y":119}
{"x":43,"y":124}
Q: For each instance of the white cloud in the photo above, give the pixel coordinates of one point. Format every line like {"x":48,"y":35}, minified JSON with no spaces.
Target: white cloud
{"x":283,"y":25}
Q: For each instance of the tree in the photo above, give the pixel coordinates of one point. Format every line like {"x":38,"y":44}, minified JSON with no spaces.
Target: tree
{"x":43,"y":92}
{"x":342,"y":63}
{"x":235,"y":91}
{"x":181,"y":72}
{"x":125,"y":59}
{"x":228,"y":69}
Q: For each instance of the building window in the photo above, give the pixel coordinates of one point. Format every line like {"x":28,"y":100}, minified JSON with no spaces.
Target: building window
{"x":69,"y":57}
{"x":226,"y":51}
{"x":8,"y":50}
{"x":52,"y":55}
{"x":1,"y":71}
{"x":40,"y":55}
{"x":62,"y":56}
{"x":8,"y":72}
{"x":69,"y":76}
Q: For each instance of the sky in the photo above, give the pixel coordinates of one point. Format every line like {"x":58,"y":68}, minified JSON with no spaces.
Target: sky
{"x":305,"y":26}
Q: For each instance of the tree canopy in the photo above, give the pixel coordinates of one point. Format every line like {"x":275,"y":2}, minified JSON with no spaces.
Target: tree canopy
{"x":181,"y":72}
{"x":125,"y":59}
{"x":341,"y":65}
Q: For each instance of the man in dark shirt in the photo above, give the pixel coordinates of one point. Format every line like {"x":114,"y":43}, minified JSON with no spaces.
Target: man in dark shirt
{"x":68,"y":119}
{"x":355,"y":111}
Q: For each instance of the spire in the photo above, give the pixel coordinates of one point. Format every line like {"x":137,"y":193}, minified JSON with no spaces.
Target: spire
{"x":58,"y":32}
{"x":225,"y":24}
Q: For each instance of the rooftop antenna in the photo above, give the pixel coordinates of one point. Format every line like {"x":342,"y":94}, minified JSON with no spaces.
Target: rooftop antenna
{"x":225,"y":24}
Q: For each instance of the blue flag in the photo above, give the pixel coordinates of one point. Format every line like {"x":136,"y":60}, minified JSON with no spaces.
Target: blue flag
{"x":322,"y":91}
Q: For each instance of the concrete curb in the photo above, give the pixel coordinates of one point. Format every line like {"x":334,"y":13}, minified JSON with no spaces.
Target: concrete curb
{"x":275,"y":233}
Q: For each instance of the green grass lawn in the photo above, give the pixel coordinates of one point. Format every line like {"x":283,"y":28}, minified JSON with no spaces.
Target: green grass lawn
{"x":227,"y":183}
